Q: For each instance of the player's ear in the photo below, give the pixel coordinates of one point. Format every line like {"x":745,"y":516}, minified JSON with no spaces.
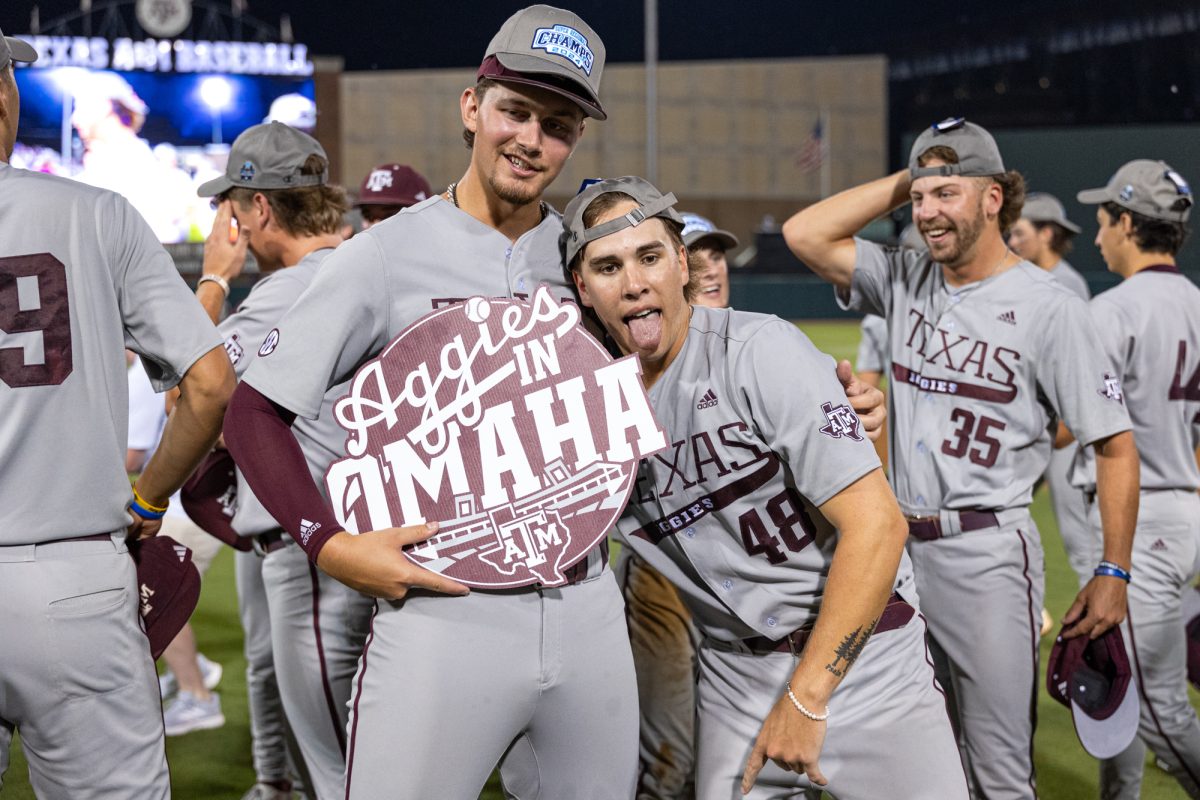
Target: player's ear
{"x":262,"y":209}
{"x":468,"y":105}
{"x":581,"y":289}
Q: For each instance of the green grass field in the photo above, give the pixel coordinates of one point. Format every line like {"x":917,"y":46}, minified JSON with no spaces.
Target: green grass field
{"x":215,"y":765}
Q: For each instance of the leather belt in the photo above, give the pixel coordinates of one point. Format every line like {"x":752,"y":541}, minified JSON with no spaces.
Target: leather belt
{"x":270,"y":541}
{"x":896,"y":614}
{"x":928,"y":529}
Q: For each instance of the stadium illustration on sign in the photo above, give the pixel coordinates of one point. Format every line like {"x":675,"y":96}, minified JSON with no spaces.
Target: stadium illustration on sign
{"x":508,"y":424}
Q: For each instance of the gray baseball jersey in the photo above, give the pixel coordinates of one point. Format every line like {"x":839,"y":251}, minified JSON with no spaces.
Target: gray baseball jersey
{"x":76,"y":289}
{"x":317,"y":625}
{"x":245,"y":332}
{"x":873,"y":352}
{"x":368,"y":291}
{"x":979,"y":372}
{"x":728,"y":512}
{"x":81,"y":278}
{"x":1149,"y":326}
{"x":1069,"y":277}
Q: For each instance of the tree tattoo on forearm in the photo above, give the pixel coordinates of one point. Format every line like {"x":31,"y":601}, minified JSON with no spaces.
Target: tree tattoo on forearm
{"x":850,"y":649}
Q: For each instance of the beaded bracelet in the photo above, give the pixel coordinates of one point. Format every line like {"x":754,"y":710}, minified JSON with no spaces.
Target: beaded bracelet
{"x":800,"y":707}
{"x":1108,"y":568}
{"x":144,"y":509}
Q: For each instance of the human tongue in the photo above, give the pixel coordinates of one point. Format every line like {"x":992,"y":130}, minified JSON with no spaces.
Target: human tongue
{"x":646,"y":331}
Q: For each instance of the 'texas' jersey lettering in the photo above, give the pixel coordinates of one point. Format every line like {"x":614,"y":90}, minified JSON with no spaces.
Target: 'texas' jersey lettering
{"x":983,"y":370}
{"x":707,"y":460}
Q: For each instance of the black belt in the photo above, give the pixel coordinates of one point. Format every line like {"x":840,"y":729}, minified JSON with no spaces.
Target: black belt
{"x":271,"y":541}
{"x":896,"y":614}
{"x":928,"y":529}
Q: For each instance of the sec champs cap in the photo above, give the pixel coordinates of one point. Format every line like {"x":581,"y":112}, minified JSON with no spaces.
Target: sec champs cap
{"x":978,"y":155}
{"x":696,"y":227}
{"x":651,"y":203}
{"x":15,"y":50}
{"x":268,"y":156}
{"x":168,"y":585}
{"x":551,"y":48}
{"x":1150,"y":188}
{"x":1043,"y":207}
{"x":1092,"y":677}
{"x":393,"y":185}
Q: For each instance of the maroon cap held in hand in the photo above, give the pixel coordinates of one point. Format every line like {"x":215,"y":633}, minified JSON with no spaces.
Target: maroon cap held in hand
{"x":168,"y":588}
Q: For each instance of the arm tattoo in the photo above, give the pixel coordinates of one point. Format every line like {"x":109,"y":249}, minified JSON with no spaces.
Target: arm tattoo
{"x":850,"y":649}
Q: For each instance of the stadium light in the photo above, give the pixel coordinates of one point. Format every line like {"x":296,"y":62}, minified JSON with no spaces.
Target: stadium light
{"x":216,"y":93}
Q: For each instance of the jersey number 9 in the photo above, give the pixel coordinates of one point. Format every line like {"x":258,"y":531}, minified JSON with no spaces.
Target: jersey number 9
{"x":35,"y":321}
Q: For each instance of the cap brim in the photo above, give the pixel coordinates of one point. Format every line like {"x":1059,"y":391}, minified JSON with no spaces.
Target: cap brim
{"x":215,"y":187}
{"x":1071,"y":226}
{"x":1093,"y":197}
{"x":21,"y":51}
{"x":726,"y":239}
{"x":531,"y":67}
{"x":1106,"y":738}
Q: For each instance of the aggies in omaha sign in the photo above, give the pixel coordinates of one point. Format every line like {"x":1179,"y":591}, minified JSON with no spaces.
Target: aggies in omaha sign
{"x":508,"y":424}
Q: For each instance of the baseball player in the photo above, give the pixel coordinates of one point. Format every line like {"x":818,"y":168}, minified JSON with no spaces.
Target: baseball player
{"x":546,"y":671}
{"x":82,"y":276}
{"x":1149,"y":327}
{"x":988,"y":351}
{"x":775,"y":521}
{"x":289,"y":218}
{"x":1043,"y":236}
{"x":389,"y":189}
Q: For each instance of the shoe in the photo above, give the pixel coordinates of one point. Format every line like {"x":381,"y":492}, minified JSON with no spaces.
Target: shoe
{"x":187,"y":713}
{"x":262,"y":791}
{"x":211,"y":671}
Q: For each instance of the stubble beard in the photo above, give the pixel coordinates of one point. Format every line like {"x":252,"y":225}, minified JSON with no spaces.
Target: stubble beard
{"x":965,"y":236}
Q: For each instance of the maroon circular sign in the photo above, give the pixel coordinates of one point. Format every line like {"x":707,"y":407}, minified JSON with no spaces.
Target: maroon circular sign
{"x":505,"y":422}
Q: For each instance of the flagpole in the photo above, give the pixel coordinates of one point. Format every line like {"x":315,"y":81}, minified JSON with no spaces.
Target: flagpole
{"x":826,"y":156}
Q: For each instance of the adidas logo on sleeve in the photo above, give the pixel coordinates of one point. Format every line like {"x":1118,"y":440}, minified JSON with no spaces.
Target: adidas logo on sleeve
{"x":707,"y":401}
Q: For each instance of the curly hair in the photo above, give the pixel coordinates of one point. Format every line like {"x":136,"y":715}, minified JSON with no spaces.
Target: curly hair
{"x":305,"y":210}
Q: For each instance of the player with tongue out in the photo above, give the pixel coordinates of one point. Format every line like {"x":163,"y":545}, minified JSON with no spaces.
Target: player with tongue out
{"x":771,"y":514}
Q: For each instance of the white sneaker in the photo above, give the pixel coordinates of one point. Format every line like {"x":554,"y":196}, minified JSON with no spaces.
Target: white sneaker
{"x":211,"y":671}
{"x":261,"y":791}
{"x":187,"y":713}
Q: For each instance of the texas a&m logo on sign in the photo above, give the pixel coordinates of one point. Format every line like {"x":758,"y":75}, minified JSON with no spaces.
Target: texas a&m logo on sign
{"x":506,"y":423}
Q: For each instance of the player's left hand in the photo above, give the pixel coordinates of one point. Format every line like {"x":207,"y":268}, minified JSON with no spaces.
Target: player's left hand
{"x":791,"y":740}
{"x":1099,"y":606}
{"x":142,"y":528}
{"x":867,"y":401}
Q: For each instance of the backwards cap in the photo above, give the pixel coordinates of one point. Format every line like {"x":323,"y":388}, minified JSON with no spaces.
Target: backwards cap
{"x":1147,"y":187}
{"x":978,"y":155}
{"x":1092,"y":677}
{"x":651,"y":203}
{"x":268,"y":156}
{"x":696,"y":227}
{"x":551,"y":48}
{"x":15,"y":50}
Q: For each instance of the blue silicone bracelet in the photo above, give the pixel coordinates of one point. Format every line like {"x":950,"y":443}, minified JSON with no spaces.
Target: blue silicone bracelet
{"x":1112,"y":570}
{"x":144,"y":512}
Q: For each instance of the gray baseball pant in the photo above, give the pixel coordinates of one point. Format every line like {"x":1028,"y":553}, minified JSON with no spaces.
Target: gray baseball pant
{"x":981,"y":593}
{"x":1164,"y":551}
{"x":888,"y":734}
{"x":449,"y":686}
{"x":76,"y":676}
{"x":318,"y":627}
{"x":664,"y":642}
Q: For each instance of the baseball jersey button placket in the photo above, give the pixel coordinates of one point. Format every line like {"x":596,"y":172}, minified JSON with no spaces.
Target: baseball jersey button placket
{"x":690,"y":533}
{"x":772,"y":622}
{"x":921,"y":448}
{"x":727,"y":584}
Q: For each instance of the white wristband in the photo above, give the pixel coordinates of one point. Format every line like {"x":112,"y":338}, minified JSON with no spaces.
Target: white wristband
{"x":800,"y":707}
{"x":217,"y":279}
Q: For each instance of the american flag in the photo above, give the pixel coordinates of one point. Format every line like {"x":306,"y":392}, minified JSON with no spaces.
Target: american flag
{"x":814,"y":151}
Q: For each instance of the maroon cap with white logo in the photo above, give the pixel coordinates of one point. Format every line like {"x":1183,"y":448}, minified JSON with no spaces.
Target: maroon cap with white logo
{"x":393,"y":185}
{"x":168,"y":588}
{"x":1093,"y":678}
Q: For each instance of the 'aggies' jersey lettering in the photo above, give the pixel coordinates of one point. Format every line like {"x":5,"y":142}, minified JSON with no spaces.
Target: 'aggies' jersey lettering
{"x":981,"y":373}
{"x":729,"y":510}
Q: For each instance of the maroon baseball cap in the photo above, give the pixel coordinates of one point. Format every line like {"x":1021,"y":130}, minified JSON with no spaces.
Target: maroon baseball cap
{"x":1093,"y":678}
{"x":168,"y":588}
{"x":393,"y":185}
{"x":210,"y":498}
